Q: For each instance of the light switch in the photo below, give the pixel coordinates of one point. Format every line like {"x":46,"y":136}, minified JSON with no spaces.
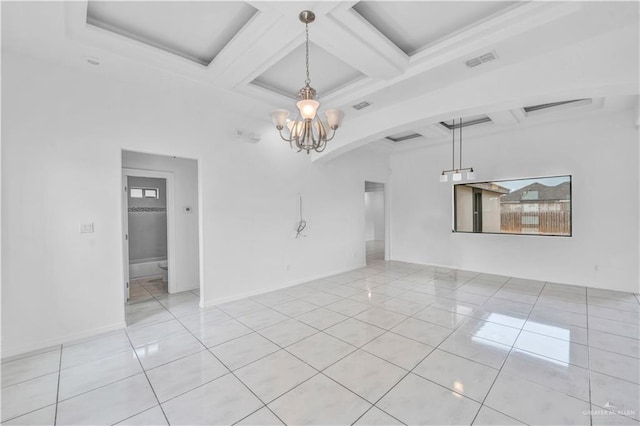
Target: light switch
{"x":86,"y":228}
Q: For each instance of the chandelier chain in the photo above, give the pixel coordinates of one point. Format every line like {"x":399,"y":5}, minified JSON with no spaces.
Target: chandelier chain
{"x":306,"y":30}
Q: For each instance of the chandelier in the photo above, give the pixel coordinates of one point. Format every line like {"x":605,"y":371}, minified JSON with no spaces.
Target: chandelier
{"x":307,"y":132}
{"x":456,"y":173}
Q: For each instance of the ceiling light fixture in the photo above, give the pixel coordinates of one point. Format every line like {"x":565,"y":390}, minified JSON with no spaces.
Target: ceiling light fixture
{"x":307,"y":131}
{"x":456,"y":174}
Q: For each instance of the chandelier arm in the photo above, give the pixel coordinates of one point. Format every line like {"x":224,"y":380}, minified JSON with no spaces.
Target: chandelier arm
{"x":308,"y":135}
{"x":304,"y":139}
{"x":332,"y":135}
{"x":290,"y":139}
{"x":321,"y":147}
{"x":299,"y":141}
{"x":314,"y":141}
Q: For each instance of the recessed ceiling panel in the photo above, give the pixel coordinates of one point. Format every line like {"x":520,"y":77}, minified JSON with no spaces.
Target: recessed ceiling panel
{"x":466,"y":121}
{"x":414,"y":25}
{"x":403,"y":136}
{"x":192,"y":29}
{"x":327,"y":72}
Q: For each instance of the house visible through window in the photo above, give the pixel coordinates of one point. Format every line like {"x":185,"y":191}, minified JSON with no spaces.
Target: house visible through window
{"x":144,"y":193}
{"x":535,"y":206}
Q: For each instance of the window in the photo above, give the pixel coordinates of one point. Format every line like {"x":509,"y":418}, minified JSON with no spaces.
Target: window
{"x":535,"y":206}
{"x":150,"y":193}
{"x":144,"y":193}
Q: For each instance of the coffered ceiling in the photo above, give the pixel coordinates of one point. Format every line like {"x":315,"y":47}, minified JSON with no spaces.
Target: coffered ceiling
{"x":416,"y":63}
{"x":197,"y":31}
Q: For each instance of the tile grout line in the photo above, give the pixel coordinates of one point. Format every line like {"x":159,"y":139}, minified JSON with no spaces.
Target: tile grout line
{"x":55,"y":417}
{"x":482,"y":403}
{"x":411,"y":370}
{"x":324,"y":307}
{"x":140,"y":362}
{"x":303,"y":361}
{"x":148,"y":381}
{"x":357,"y":348}
{"x":222,"y":363}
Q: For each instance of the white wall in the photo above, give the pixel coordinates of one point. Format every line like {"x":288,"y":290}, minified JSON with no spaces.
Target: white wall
{"x":185,"y":176}
{"x":62,"y":137}
{"x":374,"y":215}
{"x":601,"y":152}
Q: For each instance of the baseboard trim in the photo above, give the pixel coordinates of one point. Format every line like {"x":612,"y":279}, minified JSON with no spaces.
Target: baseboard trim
{"x":56,"y":341}
{"x":493,"y":272}
{"x":288,"y":284}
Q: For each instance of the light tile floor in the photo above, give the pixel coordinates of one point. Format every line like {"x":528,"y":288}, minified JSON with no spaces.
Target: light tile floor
{"x":392,"y":343}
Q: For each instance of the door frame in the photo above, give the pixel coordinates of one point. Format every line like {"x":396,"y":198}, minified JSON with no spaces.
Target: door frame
{"x":386,"y":212}
{"x":171,"y":229}
{"x":476,"y":209}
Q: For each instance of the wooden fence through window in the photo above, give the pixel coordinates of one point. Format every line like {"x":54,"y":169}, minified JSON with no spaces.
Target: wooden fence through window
{"x":547,"y":222}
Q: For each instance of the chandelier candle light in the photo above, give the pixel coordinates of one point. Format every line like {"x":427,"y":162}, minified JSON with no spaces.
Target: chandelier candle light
{"x":307,"y":131}
{"x":456,"y":173}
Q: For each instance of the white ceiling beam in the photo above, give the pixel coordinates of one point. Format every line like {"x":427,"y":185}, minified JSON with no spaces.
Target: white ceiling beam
{"x":348,"y":36}
{"x":249,"y":55}
{"x":612,"y":74}
{"x":484,"y":36}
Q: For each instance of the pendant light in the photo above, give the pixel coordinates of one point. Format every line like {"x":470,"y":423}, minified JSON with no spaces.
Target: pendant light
{"x":456,"y":173}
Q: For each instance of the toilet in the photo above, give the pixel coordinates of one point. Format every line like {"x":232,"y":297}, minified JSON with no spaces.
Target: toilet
{"x":164,"y":266}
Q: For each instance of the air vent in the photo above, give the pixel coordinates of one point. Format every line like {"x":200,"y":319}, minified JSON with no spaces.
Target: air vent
{"x":361,"y":105}
{"x":555,"y":105}
{"x":466,"y":122}
{"x":403,"y":137}
{"x":487,"y":57}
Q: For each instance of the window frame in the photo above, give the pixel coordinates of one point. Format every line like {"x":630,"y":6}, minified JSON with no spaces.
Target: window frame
{"x":144,"y":193}
{"x":455,"y":208}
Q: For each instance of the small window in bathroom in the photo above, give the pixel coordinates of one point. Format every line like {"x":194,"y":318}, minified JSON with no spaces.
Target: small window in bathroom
{"x":144,"y":193}
{"x":151,"y":193}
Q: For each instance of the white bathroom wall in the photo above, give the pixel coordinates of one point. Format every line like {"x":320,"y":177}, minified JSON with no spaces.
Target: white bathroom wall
{"x":63,"y":133}
{"x":185,"y":176}
{"x":603,"y":251}
{"x":147,"y":229}
{"x":374,"y":215}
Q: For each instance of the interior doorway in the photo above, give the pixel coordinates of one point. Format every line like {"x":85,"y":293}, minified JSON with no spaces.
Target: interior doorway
{"x":161,"y":237}
{"x":149,"y":233}
{"x":375,"y":223}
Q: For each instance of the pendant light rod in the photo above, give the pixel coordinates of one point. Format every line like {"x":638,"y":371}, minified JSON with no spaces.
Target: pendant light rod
{"x":460,"y":142}
{"x":456,"y":172}
{"x":453,"y":145}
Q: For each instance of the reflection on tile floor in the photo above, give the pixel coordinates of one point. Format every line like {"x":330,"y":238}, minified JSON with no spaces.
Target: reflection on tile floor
{"x":149,"y":302}
{"x":392,"y":343}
